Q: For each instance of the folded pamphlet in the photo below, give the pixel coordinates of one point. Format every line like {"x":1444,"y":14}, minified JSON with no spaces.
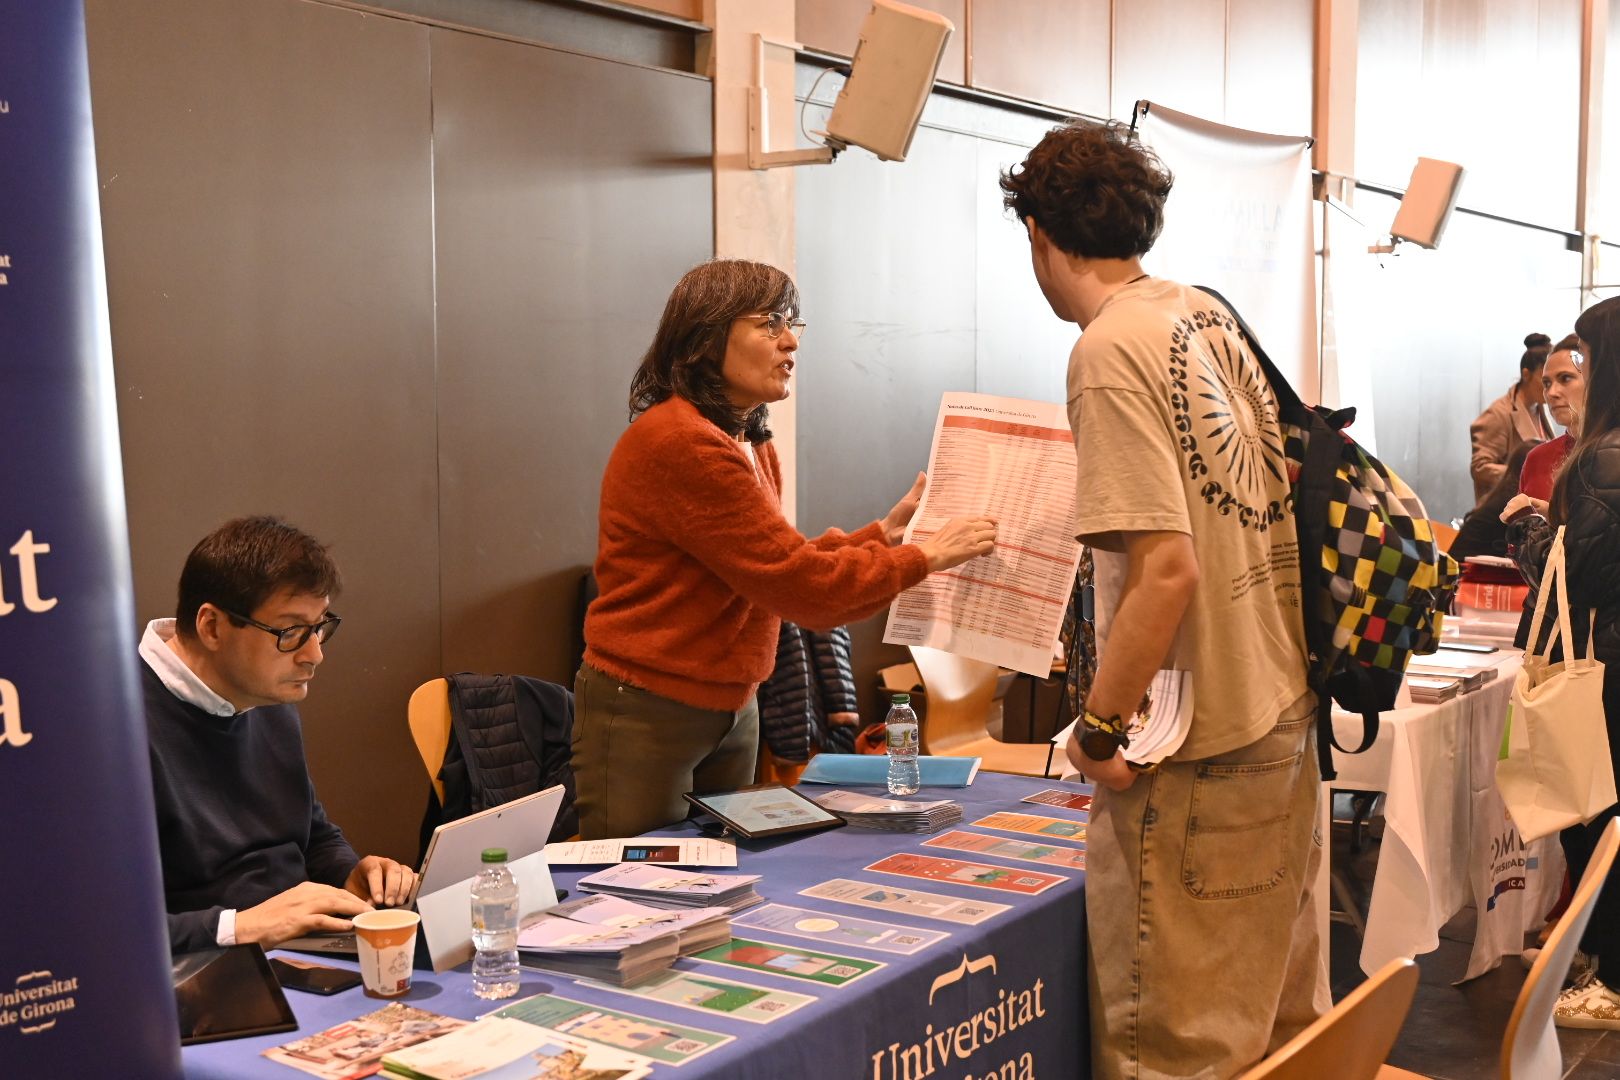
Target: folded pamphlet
{"x":697,"y":928}
{"x":614,"y":954}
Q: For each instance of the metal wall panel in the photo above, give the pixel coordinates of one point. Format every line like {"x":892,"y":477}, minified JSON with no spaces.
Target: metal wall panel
{"x":570,"y":194}
{"x":1492,"y":84}
{"x":1056,"y":51}
{"x":267,"y":206}
{"x":1172,"y":52}
{"x":915,"y":283}
{"x":1270,"y":49}
{"x":834,"y":26}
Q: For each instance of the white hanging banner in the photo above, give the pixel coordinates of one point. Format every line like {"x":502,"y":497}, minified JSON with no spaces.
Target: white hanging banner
{"x":1239,"y":220}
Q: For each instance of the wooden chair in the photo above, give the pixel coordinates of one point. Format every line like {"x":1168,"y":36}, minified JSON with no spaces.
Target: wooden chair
{"x":1530,"y":1046}
{"x":956,"y":722}
{"x":1351,"y":1041}
{"x":429,"y":717}
{"x":1444,"y":535}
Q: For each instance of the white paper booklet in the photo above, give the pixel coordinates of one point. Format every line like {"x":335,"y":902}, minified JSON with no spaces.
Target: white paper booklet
{"x":655,"y":850}
{"x":498,"y":1048}
{"x":1012,"y":460}
{"x":1161,"y":731}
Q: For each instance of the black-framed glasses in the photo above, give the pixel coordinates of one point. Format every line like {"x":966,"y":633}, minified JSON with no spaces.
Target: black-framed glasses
{"x":777,"y":321}
{"x":292,"y":638}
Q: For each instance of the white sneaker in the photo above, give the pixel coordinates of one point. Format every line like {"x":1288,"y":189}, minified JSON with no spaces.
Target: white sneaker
{"x":1588,"y":1004}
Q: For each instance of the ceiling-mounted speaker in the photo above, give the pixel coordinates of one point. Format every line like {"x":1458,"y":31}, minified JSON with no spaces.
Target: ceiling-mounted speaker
{"x":1428,"y":202}
{"x":890,"y":79}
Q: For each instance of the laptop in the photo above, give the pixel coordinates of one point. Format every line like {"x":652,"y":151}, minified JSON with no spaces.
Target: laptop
{"x":455,"y":853}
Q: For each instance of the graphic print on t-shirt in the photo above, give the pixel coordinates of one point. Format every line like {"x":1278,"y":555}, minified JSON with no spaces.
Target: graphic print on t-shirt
{"x":1225,"y":415}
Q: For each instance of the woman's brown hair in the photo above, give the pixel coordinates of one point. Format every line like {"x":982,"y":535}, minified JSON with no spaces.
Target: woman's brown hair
{"x":687,"y":351}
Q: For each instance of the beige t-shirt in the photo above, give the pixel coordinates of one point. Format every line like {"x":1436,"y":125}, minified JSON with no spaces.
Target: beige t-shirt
{"x":1176,"y":430}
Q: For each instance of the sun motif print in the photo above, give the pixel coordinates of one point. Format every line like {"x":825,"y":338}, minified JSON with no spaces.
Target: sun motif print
{"x":1226,"y":422}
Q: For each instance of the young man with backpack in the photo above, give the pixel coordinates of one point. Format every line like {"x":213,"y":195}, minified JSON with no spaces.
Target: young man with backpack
{"x":1204,"y":951}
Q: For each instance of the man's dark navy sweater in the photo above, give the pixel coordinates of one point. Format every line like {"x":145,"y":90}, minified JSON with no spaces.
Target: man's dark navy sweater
{"x":237,"y":816}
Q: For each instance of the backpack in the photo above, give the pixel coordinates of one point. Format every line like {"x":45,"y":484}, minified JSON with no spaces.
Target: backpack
{"x":1376,"y":589}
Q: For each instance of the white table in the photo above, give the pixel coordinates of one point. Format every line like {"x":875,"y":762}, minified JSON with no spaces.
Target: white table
{"x":1448,"y":840}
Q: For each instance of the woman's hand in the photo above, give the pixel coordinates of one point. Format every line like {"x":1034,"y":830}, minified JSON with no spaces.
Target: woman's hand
{"x":895,"y":521}
{"x":1520,"y":502}
{"x":957,"y":541}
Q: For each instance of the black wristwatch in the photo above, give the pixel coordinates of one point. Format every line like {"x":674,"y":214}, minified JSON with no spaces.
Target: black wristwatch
{"x":1101,"y":738}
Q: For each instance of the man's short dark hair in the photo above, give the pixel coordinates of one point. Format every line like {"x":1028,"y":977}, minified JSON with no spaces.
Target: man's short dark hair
{"x":245,"y":562}
{"x":1095,"y":191}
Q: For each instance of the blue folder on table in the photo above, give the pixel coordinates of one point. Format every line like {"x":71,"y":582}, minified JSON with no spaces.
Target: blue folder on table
{"x":874,"y":769}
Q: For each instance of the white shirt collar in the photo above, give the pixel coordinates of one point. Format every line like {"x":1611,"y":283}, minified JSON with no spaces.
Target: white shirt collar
{"x":172,"y":671}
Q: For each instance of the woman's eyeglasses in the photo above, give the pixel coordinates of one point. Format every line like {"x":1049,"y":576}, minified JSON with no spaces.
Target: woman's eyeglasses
{"x":775,"y":322}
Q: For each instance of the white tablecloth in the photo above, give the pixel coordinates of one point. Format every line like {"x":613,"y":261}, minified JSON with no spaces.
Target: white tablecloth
{"x":1448,"y":840}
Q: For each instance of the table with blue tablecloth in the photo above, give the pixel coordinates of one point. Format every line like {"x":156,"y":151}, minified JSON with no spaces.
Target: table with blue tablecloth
{"x":1004,"y":998}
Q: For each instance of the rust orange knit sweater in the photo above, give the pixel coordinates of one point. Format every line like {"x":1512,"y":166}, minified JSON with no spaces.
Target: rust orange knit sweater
{"x":697,"y":567}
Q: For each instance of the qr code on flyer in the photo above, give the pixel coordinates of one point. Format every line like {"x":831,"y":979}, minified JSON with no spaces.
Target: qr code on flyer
{"x":686,"y":1046}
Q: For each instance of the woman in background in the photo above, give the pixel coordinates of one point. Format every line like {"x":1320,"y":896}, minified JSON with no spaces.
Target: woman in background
{"x":1586,"y":501}
{"x":1511,"y":419}
{"x":697,"y":566}
{"x":1563,"y":386}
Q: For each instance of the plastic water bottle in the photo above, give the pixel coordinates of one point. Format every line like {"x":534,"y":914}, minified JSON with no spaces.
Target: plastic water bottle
{"x":901,"y":726}
{"x":495,"y":928}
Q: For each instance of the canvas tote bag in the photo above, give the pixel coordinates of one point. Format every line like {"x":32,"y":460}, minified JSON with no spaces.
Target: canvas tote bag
{"x":1557,"y":772}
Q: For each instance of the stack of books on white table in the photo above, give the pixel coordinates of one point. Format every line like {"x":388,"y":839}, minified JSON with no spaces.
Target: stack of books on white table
{"x":664,"y":887}
{"x":1430,"y":689}
{"x":890,"y":815}
{"x":610,"y":954}
{"x":1471,"y":670}
{"x":697,"y":928}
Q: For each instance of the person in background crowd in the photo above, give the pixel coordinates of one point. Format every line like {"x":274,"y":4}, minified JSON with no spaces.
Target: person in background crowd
{"x":1511,"y":419}
{"x":248,"y":852}
{"x":696,"y":565}
{"x":1483,"y":532}
{"x":1200,"y":878}
{"x":1586,"y":502}
{"x":1563,"y":385}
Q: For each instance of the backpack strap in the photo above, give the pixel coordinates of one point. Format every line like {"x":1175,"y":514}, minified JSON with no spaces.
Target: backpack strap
{"x":1313,"y":492}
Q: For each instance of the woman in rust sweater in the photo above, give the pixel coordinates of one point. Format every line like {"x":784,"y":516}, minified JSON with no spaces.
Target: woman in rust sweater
{"x":696,"y":565}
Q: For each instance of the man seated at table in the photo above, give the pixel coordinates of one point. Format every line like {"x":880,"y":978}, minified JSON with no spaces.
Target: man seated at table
{"x":248,"y":853}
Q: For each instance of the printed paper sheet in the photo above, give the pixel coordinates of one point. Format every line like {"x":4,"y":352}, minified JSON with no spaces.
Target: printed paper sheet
{"x":838,"y":929}
{"x":1069,"y":800}
{"x":671,"y":1044}
{"x":960,"y":872}
{"x":667,"y":851}
{"x":1021,"y":850}
{"x":826,"y":969}
{"x":905,"y":901}
{"x":719,"y":997}
{"x":1035,"y":825}
{"x":1012,"y":460}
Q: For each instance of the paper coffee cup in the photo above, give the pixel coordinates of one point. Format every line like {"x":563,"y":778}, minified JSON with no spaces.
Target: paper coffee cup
{"x":386,"y":942}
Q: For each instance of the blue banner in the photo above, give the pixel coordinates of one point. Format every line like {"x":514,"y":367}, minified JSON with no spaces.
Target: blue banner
{"x":84,"y":969}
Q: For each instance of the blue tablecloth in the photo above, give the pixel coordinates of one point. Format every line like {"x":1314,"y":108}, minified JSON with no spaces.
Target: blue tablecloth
{"x":1004,"y":998}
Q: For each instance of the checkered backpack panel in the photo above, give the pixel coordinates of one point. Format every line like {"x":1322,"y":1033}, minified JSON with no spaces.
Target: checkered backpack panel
{"x":1387,"y":580}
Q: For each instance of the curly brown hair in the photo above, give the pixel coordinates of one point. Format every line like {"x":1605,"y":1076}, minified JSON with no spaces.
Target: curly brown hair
{"x":1094,"y":190}
{"x":689,"y":348}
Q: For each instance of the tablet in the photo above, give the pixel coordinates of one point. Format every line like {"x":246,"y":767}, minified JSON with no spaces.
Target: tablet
{"x":228,"y":993}
{"x":765,"y":810}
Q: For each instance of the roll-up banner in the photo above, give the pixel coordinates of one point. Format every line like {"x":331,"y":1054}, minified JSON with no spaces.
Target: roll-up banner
{"x":84,"y":967}
{"x":1239,"y":220}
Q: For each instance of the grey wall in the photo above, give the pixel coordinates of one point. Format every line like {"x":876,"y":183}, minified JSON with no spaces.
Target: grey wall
{"x":915,"y":282}
{"x":390,"y":282}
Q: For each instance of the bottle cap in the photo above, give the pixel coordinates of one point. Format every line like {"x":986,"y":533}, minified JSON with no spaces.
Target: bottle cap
{"x":494,"y":854}
{"x":900,"y":699}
